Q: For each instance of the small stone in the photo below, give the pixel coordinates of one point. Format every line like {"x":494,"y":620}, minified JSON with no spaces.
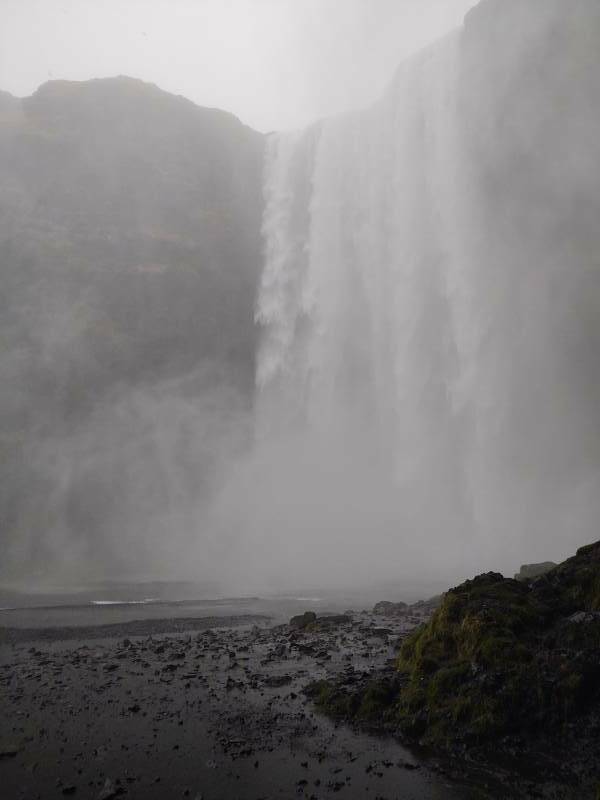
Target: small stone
{"x":8,"y":750}
{"x":108,"y":791}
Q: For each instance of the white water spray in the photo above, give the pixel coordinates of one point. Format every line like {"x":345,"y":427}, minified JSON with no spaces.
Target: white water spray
{"x":364,"y":301}
{"x":401,"y":321}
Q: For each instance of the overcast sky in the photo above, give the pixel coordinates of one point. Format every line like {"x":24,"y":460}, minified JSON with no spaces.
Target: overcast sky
{"x":274,"y":63}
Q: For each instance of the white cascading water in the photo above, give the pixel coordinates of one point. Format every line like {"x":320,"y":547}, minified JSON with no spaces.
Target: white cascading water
{"x":413,"y":332}
{"x":367,"y":323}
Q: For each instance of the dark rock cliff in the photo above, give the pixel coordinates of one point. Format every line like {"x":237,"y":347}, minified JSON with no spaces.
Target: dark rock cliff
{"x":129,"y":255}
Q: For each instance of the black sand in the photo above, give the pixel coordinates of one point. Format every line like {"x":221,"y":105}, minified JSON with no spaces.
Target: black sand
{"x":179,"y":708}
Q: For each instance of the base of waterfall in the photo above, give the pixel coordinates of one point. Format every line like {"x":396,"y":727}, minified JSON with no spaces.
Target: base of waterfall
{"x":201,"y":708}
{"x":490,"y":691}
{"x":505,"y":676}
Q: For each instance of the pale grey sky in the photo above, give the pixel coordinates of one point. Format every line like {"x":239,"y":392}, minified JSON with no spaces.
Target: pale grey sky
{"x":274,"y":63}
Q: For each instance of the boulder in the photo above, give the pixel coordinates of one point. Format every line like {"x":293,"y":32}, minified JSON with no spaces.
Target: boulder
{"x":303,"y":620}
{"x":333,"y":620}
{"x":530,"y":571}
{"x":8,"y":749}
{"x":387,"y":609}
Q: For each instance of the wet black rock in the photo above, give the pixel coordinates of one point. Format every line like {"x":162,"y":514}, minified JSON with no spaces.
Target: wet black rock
{"x":303,"y":620}
{"x":500,"y":660}
{"x":387,"y":609}
{"x":278,"y":680}
{"x":530,"y":571}
{"x":8,"y":750}
{"x":333,"y":620}
{"x":109,"y":791}
{"x":381,"y":633}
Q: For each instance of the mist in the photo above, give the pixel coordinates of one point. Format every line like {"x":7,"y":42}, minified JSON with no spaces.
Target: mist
{"x":417,"y":411}
{"x":276,"y":64}
{"x":357,"y":352}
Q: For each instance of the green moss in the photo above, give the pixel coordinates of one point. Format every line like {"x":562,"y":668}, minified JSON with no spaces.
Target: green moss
{"x":331,"y":700}
{"x":486,"y":663}
{"x":498,"y":656}
{"x":578,"y":580}
{"x":366,"y":702}
{"x":445,"y":681}
{"x":376,"y":700}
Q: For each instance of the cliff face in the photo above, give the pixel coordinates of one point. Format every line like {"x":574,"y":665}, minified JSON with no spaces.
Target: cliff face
{"x":130,"y":251}
{"x":141,"y":206}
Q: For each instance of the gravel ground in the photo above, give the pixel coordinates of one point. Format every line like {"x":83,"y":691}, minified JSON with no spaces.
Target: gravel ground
{"x":215,"y":711}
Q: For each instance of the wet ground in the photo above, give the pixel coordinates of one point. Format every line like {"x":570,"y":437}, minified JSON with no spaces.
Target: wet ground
{"x":216,"y":713}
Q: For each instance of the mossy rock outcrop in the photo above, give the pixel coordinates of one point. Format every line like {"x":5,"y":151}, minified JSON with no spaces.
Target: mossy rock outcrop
{"x":499,"y":657}
{"x":301,"y":621}
{"x":502,"y":656}
{"x":530,"y":571}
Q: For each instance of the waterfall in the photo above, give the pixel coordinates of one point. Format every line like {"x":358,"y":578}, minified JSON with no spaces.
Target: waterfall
{"x":363,"y":302}
{"x":427,"y":385}
{"x":418,"y":303}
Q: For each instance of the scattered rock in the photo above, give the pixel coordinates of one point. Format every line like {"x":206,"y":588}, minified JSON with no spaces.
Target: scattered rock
{"x":584,"y":616}
{"x":387,"y":609}
{"x":381,"y":633}
{"x":333,"y":620}
{"x":277,"y":680}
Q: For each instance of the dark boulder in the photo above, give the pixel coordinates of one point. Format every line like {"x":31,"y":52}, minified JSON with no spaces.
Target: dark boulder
{"x":333,"y":620}
{"x":387,"y":609}
{"x":303,"y":620}
{"x":530,"y":571}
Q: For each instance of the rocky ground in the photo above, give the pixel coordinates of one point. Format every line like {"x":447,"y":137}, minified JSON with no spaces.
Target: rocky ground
{"x":505,"y":674}
{"x":217,"y":713}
